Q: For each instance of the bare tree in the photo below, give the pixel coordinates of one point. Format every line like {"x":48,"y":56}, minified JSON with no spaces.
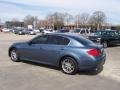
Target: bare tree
{"x":42,"y":24}
{"x":56,"y":19}
{"x":50,"y":20}
{"x":31,"y":20}
{"x":68,"y":18}
{"x":84,"y":18}
{"x":97,"y":19}
{"x":15,"y":20}
{"x":77,"y":20}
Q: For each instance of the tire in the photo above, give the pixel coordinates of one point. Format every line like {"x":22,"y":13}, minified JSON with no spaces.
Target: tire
{"x":14,"y":55}
{"x":69,"y":66}
{"x":105,"y":44}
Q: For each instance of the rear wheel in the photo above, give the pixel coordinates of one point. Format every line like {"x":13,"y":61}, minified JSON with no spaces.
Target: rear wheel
{"x":14,"y":55}
{"x":69,"y":66}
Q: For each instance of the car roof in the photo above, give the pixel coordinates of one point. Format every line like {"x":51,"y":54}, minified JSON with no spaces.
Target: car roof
{"x":65,"y":34}
{"x":68,"y":35}
{"x":107,"y":30}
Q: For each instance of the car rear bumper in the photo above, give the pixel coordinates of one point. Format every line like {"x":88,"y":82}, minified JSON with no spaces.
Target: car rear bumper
{"x":92,"y":64}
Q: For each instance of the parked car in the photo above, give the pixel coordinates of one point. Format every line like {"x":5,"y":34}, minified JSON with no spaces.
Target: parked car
{"x":1,"y":30}
{"x":84,"y":32}
{"x":30,"y":32}
{"x":47,"y":31}
{"x":62,"y":31}
{"x":119,"y":32}
{"x":6,"y":30}
{"x":19,"y":31}
{"x":106,"y":37}
{"x":36,"y":30}
{"x":78,"y":30}
{"x":12,"y":30}
{"x":66,"y":51}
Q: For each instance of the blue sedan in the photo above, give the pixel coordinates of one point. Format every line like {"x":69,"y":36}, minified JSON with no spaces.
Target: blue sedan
{"x":69,"y":52}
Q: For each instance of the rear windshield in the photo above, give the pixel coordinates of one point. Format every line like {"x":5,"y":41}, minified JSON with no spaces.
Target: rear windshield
{"x":82,"y":40}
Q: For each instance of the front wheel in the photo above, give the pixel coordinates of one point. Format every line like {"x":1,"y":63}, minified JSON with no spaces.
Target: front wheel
{"x":14,"y":55}
{"x":69,"y":66}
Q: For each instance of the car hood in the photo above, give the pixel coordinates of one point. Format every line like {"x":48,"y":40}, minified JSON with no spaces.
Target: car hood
{"x":19,"y":43}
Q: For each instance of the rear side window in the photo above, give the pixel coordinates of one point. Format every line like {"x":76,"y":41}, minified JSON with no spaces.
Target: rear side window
{"x":58,"y":40}
{"x":82,"y":40}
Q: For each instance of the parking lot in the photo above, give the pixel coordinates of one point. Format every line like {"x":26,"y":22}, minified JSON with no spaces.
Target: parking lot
{"x":30,"y":76}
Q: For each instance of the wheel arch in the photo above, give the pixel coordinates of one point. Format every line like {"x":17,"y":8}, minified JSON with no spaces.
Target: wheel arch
{"x":10,"y":50}
{"x":64,"y":56}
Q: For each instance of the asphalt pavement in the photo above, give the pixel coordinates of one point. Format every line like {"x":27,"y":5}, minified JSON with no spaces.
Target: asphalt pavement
{"x":31,"y":76}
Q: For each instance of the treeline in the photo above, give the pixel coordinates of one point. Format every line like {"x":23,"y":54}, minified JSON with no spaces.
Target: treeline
{"x":59,"y":20}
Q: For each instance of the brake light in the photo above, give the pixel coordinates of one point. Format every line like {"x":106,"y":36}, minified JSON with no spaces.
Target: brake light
{"x":93,"y":52}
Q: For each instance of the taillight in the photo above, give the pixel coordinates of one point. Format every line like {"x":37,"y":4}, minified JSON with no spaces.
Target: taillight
{"x":93,"y":52}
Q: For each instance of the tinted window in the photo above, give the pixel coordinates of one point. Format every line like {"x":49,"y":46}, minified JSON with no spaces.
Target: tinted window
{"x":83,"y":31}
{"x":103,"y":33}
{"x":87,"y":31}
{"x":114,"y":33}
{"x":92,"y":31}
{"x":30,"y":30}
{"x":77,"y":30}
{"x":58,"y":40}
{"x":63,"y":31}
{"x":111,"y":33}
{"x":98,"y":33}
{"x":40,"y":40}
{"x":82,"y":40}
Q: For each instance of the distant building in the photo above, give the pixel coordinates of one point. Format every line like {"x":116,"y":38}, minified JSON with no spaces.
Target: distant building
{"x":13,"y":24}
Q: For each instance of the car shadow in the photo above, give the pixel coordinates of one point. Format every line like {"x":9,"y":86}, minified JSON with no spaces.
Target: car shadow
{"x":81,"y":72}
{"x":41,"y":65}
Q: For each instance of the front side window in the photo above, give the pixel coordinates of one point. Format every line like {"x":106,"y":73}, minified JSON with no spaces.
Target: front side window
{"x":40,"y":40}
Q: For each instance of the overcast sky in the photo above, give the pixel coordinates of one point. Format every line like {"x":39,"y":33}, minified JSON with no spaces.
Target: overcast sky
{"x":20,"y":8}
